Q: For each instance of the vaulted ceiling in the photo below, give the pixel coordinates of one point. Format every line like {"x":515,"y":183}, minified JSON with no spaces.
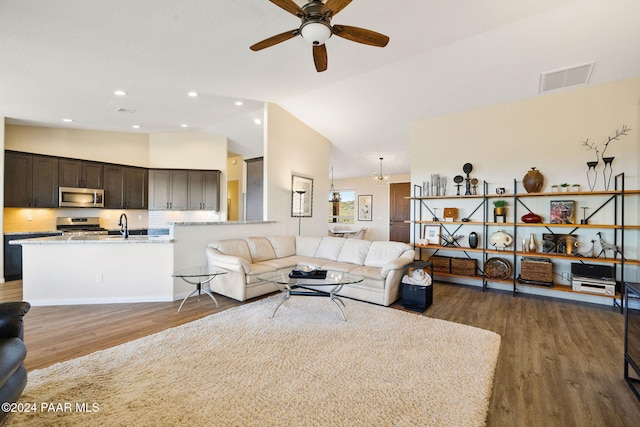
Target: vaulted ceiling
{"x":64,"y":59}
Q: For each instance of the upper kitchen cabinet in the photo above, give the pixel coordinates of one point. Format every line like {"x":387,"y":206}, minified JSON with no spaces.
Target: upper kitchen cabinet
{"x":30,"y":180}
{"x":125,"y":187}
{"x":204,"y":190}
{"x":168,"y":189}
{"x":80,"y":173}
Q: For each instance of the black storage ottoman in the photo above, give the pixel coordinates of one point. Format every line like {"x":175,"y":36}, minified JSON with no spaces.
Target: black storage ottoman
{"x":416,"y":297}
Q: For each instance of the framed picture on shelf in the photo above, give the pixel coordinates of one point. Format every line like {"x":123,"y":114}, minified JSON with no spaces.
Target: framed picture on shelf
{"x":301,"y":196}
{"x":431,"y":234}
{"x":365,"y":207}
{"x":562,"y":212}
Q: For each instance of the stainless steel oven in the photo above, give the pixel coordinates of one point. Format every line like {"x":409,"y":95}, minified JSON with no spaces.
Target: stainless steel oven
{"x":80,"y":226}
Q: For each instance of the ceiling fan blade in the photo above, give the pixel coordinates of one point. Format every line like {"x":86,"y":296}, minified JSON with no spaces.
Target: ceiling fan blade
{"x":360,"y":35}
{"x":335,"y":6}
{"x":320,"y":57}
{"x":290,"y":6}
{"x":273,"y":40}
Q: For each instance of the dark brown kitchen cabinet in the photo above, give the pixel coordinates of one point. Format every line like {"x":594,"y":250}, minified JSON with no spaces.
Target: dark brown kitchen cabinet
{"x":80,"y":173}
{"x":125,"y":187}
{"x":30,"y":180}
{"x":204,"y":190}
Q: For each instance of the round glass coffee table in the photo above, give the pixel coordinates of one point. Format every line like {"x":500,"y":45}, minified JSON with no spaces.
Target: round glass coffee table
{"x":198,"y":276}
{"x":316,"y":284}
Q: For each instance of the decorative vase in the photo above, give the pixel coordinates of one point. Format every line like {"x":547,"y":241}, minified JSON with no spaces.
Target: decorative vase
{"x":531,"y":218}
{"x":533,"y":181}
{"x":473,"y":240}
{"x":592,"y":174}
{"x":607,"y":172}
{"x":500,"y":239}
{"x":532,"y":243}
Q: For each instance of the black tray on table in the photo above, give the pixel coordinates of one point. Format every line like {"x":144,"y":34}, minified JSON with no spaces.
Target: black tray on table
{"x":315,"y":274}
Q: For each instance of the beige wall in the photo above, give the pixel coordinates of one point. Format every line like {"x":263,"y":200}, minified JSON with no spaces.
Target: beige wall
{"x":293,"y":148}
{"x":378,"y":228}
{"x":504,"y":141}
{"x":112,"y":147}
{"x":188,"y":150}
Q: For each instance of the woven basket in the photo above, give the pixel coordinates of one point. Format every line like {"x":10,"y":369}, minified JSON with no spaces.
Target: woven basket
{"x":441,"y":264}
{"x":537,"y":270}
{"x":464,"y":266}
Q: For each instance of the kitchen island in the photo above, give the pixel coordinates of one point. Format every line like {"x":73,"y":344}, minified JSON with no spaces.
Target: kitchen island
{"x":98,"y":270}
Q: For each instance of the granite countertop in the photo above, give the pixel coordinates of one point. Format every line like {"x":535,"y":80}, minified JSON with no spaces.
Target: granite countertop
{"x":224,"y":222}
{"x":15,"y":233}
{"x":93,"y":239}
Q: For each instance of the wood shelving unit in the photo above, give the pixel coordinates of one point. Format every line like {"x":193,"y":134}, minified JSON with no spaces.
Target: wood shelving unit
{"x":612,"y":199}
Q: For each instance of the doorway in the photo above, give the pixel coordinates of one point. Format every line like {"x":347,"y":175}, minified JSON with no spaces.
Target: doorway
{"x":400,"y":211}
{"x":233,"y":200}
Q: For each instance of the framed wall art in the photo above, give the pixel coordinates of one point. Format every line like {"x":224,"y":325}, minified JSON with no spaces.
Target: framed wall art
{"x":562,"y":212}
{"x":365,"y":207}
{"x":301,"y":196}
{"x":431,"y":234}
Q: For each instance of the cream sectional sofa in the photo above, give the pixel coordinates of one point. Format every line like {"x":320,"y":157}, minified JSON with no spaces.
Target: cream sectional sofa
{"x":382,"y":264}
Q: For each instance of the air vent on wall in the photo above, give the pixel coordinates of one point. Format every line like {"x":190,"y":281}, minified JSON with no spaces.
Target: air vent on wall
{"x":565,"y":77}
{"x":125,"y":110}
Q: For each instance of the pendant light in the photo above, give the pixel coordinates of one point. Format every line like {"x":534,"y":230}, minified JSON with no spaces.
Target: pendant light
{"x":335,"y":195}
{"x":380,"y":178}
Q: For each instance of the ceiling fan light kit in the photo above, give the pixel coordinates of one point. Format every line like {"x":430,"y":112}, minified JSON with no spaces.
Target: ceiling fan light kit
{"x":315,"y":32}
{"x":316,"y":28}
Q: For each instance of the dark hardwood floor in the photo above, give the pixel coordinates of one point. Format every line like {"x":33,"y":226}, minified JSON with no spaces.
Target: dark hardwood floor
{"x":560,"y":363}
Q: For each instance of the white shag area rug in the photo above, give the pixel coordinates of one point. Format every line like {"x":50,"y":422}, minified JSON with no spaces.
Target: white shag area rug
{"x":305,"y":367}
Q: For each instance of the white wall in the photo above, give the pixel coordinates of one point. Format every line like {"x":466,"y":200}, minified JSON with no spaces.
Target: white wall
{"x":293,"y":148}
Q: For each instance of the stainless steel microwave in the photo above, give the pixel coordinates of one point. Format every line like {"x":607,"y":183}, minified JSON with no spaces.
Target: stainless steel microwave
{"x":81,"y":197}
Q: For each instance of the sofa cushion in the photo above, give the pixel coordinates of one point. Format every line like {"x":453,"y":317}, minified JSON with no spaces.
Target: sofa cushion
{"x":381,"y":253}
{"x":354,"y":251}
{"x":283,"y":246}
{"x":337,"y":266}
{"x":260,"y":248}
{"x":369,"y":273}
{"x":280,"y":263}
{"x":307,"y":245}
{"x":235,"y":247}
{"x":330,"y":248}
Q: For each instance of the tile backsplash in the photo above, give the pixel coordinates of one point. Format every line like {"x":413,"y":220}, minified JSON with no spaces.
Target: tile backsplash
{"x":28,"y":220}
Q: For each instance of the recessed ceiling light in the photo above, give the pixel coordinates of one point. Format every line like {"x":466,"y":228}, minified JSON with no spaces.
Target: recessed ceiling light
{"x":239,"y":103}
{"x":184,"y":125}
{"x":135,"y":126}
{"x":120,"y":93}
{"x":257,"y":121}
{"x":67,"y":120}
{"x":193,"y":94}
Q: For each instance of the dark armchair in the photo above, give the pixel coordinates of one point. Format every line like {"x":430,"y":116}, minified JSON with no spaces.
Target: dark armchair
{"x":13,"y":375}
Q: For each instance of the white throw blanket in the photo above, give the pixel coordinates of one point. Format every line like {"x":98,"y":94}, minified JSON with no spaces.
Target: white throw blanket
{"x":418,"y":277}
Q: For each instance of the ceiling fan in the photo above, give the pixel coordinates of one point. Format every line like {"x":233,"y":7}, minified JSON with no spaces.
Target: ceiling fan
{"x":316,"y":28}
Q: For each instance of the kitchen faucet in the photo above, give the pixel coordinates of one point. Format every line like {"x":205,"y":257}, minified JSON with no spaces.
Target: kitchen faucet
{"x":124,"y":226}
